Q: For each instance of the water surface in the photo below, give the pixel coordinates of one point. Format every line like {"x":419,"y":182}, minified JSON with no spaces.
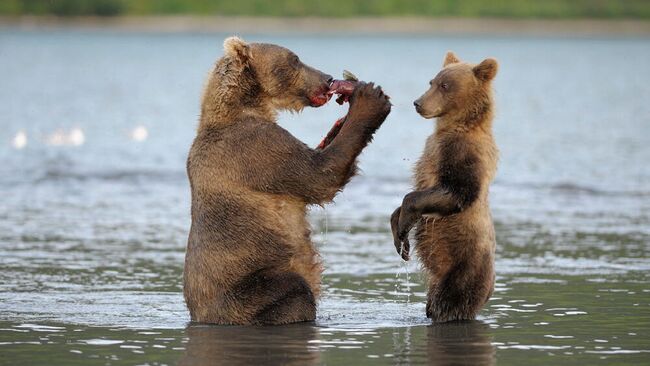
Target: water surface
{"x":94,"y":214}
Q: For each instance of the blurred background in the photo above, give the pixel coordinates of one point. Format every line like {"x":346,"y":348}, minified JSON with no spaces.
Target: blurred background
{"x":637,"y":9}
{"x":99,"y":103}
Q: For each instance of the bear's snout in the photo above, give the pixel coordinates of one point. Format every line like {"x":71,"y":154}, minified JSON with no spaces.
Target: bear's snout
{"x":418,"y":106}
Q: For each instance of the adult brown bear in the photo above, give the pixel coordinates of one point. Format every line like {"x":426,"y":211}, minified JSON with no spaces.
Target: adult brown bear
{"x":249,"y":256}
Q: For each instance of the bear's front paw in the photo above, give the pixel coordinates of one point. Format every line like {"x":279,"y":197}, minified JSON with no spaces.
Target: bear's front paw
{"x":408,"y":216}
{"x":402,"y":246}
{"x":369,"y":102}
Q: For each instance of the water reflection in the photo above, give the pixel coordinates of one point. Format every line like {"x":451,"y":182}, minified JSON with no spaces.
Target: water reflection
{"x":460,"y":343}
{"x":241,"y":345}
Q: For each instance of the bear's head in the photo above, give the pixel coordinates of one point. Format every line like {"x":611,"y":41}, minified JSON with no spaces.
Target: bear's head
{"x":460,"y":91}
{"x":278,"y":75}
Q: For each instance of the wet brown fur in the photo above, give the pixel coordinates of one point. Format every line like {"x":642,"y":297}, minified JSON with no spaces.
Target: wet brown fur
{"x":249,"y":256}
{"x":455,"y":236}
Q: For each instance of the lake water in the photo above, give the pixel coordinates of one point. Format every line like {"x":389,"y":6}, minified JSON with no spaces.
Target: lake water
{"x":94,"y":215}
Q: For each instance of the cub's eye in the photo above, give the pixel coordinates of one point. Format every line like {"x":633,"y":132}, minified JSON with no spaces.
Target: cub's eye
{"x":444,"y":86}
{"x":431,"y":83}
{"x":294,"y":59}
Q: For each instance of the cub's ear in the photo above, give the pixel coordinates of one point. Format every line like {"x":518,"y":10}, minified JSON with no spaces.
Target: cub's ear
{"x":486,"y":70}
{"x":237,"y":48}
{"x":450,"y":58}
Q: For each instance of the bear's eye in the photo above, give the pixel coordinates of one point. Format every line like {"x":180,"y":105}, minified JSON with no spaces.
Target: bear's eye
{"x":294,"y":59}
{"x":444,"y":86}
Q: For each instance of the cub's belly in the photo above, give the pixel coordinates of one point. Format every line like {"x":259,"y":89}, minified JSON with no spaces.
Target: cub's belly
{"x":443,"y":241}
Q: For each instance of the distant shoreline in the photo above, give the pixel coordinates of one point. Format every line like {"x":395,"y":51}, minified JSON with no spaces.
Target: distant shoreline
{"x":341,"y":26}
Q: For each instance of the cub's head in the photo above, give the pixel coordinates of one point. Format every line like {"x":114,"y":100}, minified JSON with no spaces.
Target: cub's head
{"x":280,"y":75}
{"x":460,"y":90}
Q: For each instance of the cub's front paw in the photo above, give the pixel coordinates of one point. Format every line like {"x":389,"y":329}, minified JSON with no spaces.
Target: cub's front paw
{"x":402,"y":246}
{"x":409,"y":215}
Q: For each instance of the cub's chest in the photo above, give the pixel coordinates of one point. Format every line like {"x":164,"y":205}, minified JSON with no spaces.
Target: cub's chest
{"x":426,"y":169}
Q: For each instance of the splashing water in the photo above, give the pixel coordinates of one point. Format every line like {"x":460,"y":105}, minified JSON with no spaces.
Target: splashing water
{"x":398,"y":282}
{"x":407,"y":284}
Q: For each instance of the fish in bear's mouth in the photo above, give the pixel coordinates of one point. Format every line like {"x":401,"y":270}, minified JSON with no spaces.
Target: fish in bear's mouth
{"x":342,"y":88}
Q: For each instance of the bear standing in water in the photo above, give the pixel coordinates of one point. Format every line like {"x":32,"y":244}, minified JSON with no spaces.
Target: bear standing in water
{"x":454,"y":230}
{"x":249,"y":256}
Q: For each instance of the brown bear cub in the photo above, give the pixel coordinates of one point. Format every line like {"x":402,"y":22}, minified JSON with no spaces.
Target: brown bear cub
{"x":454,"y":230}
{"x":249,"y":256}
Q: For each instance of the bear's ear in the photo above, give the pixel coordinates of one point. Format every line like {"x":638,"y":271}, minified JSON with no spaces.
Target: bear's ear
{"x":237,"y":48}
{"x":450,"y":58}
{"x":486,"y":70}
